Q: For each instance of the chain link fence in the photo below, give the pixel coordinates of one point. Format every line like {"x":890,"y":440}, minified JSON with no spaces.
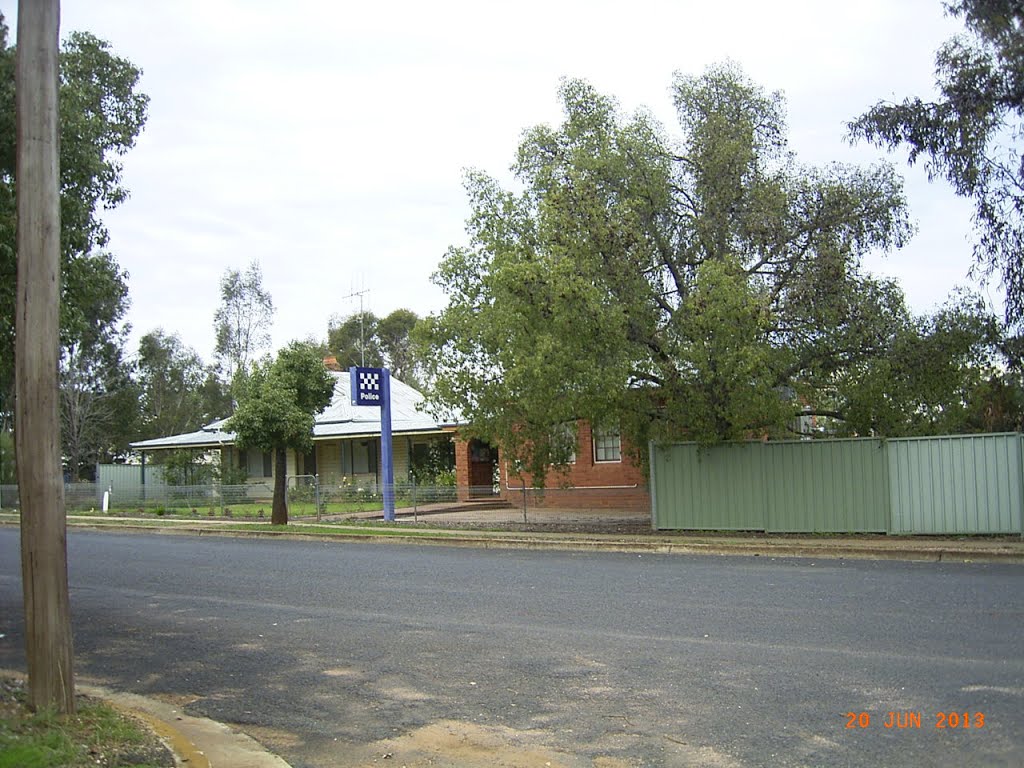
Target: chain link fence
{"x":80,"y":498}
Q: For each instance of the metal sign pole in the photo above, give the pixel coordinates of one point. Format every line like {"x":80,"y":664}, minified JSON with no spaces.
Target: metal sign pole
{"x":387,"y":463}
{"x":372,"y":386}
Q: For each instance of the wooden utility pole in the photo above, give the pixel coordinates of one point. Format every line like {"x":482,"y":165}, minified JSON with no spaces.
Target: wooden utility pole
{"x":44,"y":561}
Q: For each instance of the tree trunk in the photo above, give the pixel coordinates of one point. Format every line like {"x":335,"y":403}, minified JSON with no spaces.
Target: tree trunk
{"x":279,"y":514}
{"x":44,"y":565}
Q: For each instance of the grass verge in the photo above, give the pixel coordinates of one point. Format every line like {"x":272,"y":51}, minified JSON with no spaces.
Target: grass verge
{"x":335,"y":530}
{"x":97,"y":736}
{"x":248,"y":510}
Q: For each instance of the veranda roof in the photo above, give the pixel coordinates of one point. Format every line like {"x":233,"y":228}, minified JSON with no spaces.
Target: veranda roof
{"x":340,"y":419}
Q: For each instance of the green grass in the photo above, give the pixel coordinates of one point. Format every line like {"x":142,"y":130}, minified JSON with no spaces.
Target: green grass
{"x":244,"y":511}
{"x":96,"y":736}
{"x":249,"y":510}
{"x":336,"y":530}
{"x":348,"y":527}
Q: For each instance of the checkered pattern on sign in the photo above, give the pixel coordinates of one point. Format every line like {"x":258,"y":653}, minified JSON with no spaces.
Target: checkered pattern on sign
{"x":369,"y":382}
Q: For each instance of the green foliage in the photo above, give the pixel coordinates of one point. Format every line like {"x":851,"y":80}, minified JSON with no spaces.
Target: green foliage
{"x":706,"y":287}
{"x":8,"y":469}
{"x":177,"y":392}
{"x":242,"y":322}
{"x":394,"y":333}
{"x":928,"y":380}
{"x":445,"y":479}
{"x":98,"y":406}
{"x":303,"y":493}
{"x":433,"y":462}
{"x":228,"y":474}
{"x":997,"y":404}
{"x":277,"y":403}
{"x":267,"y":415}
{"x":96,"y":735}
{"x":184,"y":467}
{"x":733,"y":379}
{"x":353,"y":341}
{"x":364,"y":339}
{"x":971,"y":134}
{"x":101,"y":114}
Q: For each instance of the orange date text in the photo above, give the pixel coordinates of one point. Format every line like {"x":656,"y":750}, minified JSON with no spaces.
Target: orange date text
{"x":903,"y":720}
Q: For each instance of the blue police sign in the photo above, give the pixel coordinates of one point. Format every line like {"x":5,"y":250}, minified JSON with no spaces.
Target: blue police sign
{"x":366,"y":386}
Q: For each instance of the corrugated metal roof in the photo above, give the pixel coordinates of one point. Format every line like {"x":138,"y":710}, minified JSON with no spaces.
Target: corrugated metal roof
{"x":207,"y":437}
{"x":340,"y":419}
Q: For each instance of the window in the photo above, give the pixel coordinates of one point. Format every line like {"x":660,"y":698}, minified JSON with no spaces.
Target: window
{"x":306,"y":463}
{"x":256,"y":463}
{"x":563,"y":443}
{"x":607,"y":445}
{"x":359,"y":457}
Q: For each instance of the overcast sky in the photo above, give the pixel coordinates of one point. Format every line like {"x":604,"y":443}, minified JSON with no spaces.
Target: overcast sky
{"x":327,"y":139}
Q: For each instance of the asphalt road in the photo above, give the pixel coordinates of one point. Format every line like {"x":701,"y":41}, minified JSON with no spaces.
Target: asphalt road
{"x":342,"y":654}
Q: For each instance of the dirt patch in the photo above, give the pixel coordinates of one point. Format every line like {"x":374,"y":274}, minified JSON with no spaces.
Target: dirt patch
{"x":458,"y":744}
{"x":280,"y":740}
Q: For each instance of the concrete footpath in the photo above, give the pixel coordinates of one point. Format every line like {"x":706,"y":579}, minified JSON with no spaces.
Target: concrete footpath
{"x":196,"y":742}
{"x":201,"y":743}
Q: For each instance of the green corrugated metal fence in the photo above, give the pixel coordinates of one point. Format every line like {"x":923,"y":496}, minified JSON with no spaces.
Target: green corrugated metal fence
{"x":952,"y":484}
{"x":961,"y":484}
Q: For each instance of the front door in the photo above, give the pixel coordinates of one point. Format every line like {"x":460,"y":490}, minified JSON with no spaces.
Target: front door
{"x":483,"y":461}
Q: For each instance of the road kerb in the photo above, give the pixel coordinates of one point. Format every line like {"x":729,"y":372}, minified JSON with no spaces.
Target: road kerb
{"x":198,"y":742}
{"x":825,"y":548}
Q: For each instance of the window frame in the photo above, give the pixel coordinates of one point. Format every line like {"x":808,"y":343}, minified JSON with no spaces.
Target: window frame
{"x":600,"y":437}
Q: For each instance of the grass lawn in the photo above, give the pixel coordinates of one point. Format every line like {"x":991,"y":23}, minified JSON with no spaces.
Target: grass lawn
{"x":97,"y":736}
{"x":245,"y":511}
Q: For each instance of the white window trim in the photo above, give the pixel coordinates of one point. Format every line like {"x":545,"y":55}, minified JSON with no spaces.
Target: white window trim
{"x":597,"y":434}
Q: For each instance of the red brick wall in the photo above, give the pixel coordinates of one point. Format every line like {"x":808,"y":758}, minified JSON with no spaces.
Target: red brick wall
{"x":462,"y":468}
{"x":587,"y":483}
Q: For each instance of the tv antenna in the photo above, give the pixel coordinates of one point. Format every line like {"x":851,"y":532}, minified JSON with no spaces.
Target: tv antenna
{"x":362,"y":341}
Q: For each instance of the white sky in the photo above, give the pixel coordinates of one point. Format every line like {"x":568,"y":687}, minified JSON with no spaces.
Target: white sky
{"x":327,"y":139}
